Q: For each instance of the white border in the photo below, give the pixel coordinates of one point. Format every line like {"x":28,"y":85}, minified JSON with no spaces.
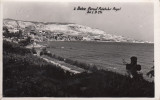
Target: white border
{"x":156,"y":48}
{"x":79,"y":0}
{"x":1,"y":55}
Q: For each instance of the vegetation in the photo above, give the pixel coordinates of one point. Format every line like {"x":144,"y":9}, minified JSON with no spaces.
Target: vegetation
{"x":25,"y":42}
{"x":25,"y":75}
{"x":72,"y":62}
{"x":8,"y":34}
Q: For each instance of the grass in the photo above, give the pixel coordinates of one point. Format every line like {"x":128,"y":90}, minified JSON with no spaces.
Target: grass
{"x":72,"y":62}
{"x":25,"y":75}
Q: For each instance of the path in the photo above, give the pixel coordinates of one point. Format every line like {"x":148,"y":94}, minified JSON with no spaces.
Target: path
{"x":63,"y":65}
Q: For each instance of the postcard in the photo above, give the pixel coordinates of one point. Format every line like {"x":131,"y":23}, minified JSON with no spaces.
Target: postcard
{"x":80,"y":50}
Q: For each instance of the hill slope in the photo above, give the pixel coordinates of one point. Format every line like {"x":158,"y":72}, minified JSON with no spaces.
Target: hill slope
{"x":64,"y":31}
{"x":25,"y":75}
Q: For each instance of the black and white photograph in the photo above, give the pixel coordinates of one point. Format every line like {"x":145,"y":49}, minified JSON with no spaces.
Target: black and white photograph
{"x":78,"y":49}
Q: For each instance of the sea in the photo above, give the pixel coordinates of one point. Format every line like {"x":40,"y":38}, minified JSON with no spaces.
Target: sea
{"x":105,"y":55}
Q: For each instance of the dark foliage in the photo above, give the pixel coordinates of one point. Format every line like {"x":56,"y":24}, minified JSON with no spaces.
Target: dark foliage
{"x":14,"y":48}
{"x":25,"y":75}
{"x":8,"y":34}
{"x":25,"y":42}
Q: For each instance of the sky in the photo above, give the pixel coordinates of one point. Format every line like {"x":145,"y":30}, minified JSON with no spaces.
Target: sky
{"x":134,"y":20}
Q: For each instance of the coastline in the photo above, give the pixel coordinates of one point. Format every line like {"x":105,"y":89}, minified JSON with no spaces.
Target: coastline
{"x":100,"y":41}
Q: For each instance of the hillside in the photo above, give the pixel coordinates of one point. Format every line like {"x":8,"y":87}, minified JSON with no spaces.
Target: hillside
{"x":26,"y":75}
{"x":63,"y":32}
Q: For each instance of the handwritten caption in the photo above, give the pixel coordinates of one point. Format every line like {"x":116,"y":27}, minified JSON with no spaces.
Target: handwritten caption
{"x":96,"y":10}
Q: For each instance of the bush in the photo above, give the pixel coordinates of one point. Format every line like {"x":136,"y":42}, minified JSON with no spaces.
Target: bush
{"x":14,"y":48}
{"x":25,"y":42}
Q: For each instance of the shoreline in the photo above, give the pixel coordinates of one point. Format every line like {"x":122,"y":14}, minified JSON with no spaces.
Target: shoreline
{"x":98,"y":41}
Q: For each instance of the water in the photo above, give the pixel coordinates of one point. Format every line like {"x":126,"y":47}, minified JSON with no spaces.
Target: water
{"x":107,"y":55}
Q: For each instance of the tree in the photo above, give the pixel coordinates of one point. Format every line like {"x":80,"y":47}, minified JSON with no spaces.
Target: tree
{"x":5,"y":31}
{"x":25,"y":42}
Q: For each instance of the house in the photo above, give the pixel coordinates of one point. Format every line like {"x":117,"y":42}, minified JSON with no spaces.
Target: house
{"x":14,"y":30}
